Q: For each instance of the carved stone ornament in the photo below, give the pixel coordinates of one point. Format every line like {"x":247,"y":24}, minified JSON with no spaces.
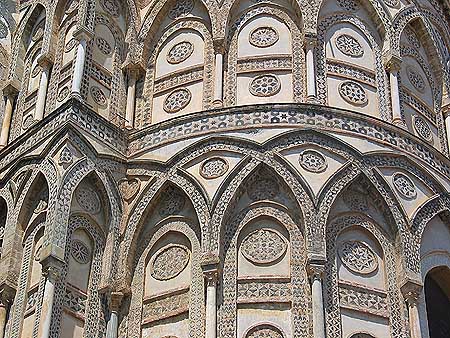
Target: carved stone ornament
{"x":392,"y":3}
{"x":99,"y":96}
{"x":112,"y":7}
{"x":349,"y":45}
{"x":38,"y":31}
{"x":177,"y":100}
{"x":313,"y":161}
{"x":171,"y":202}
{"x":28,"y":121}
{"x":353,"y":93}
{"x":103,"y":45}
{"x":362,"y":335}
{"x":349,"y":5}
{"x":180,"y":52}
{"x":404,"y":185}
{"x":181,"y":8}
{"x":358,"y":257}
{"x":66,"y":156}
{"x":264,"y":331}
{"x":412,"y":38}
{"x":3,"y":30}
{"x":213,"y":168}
{"x":263,"y":37}
{"x":415,"y":78}
{"x":422,"y":128}
{"x":169,"y":262}
{"x":71,"y":6}
{"x":63,"y":93}
{"x":36,"y":71}
{"x":88,"y":200}
{"x":263,"y":189}
{"x":40,"y":207}
{"x":80,"y":251}
{"x":129,"y":188}
{"x":265,"y":85}
{"x":356,"y":200}
{"x":70,"y":45}
{"x":263,"y":246}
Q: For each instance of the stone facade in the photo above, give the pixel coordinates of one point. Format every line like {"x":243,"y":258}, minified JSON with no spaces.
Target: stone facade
{"x":233,"y":169}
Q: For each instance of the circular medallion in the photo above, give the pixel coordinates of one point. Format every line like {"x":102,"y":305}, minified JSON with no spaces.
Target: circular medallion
{"x":263,"y":189}
{"x":415,"y":78}
{"x":70,"y":45}
{"x":112,"y":7}
{"x":180,"y":52}
{"x":28,"y":121}
{"x":263,"y":246}
{"x":265,"y":85}
{"x":88,"y":200}
{"x":36,"y":71}
{"x":264,"y":331}
{"x":3,"y":30}
{"x":348,"y":5}
{"x":313,"y":161}
{"x":63,"y":93}
{"x":358,"y":257}
{"x":80,"y":252}
{"x":349,"y":45}
{"x":356,"y":201}
{"x":177,"y":100}
{"x":98,"y":96}
{"x":263,"y":37}
{"x":129,"y":187}
{"x":181,"y":9}
{"x":169,"y":262}
{"x":353,"y":93}
{"x":103,"y":45}
{"x":422,"y":128}
{"x":213,"y":168}
{"x":172,"y":202}
{"x":404,"y":185}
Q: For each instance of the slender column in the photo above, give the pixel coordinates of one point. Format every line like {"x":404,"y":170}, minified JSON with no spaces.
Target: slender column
{"x":51,"y":270}
{"x":113,"y":322}
{"x":42,"y":92}
{"x":446,"y":112}
{"x":79,"y":67}
{"x":6,"y":125}
{"x":316,"y":273}
{"x":218,"y":76}
{"x":393,"y":66}
{"x":7,"y":295}
{"x":310,"y":44}
{"x":131,"y":98}
{"x":411,"y":292}
{"x":210,"y":266}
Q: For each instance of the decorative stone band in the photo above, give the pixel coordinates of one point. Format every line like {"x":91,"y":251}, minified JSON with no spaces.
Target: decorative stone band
{"x":359,"y":298}
{"x":350,"y":71}
{"x":264,"y":291}
{"x":165,"y":306}
{"x":173,"y":80}
{"x":74,"y":113}
{"x":265,"y":63}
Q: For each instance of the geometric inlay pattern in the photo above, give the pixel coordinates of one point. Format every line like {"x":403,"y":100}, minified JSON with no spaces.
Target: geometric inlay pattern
{"x":263,"y":37}
{"x":99,"y":96}
{"x":171,"y":202}
{"x":80,"y":252}
{"x":263,"y":246}
{"x":349,"y":5}
{"x":3,"y":30}
{"x":112,"y":7}
{"x":358,"y":257}
{"x":263,"y":189}
{"x":348,"y":45}
{"x":264,"y":331}
{"x":177,"y":100}
{"x":180,"y":52}
{"x":88,"y":200}
{"x":313,"y":161}
{"x":415,"y":79}
{"x":404,"y":185}
{"x":103,"y":45}
{"x":353,"y":93}
{"x":181,"y":9}
{"x":392,"y":3}
{"x":265,"y":85}
{"x":169,"y":262}
{"x":423,"y":128}
{"x":213,"y":168}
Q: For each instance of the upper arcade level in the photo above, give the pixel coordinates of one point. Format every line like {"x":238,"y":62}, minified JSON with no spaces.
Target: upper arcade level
{"x":155,"y":61}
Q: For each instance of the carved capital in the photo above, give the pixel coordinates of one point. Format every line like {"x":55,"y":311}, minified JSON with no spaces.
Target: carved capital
{"x":446,"y":110}
{"x":7,"y":294}
{"x":411,"y":291}
{"x":316,"y":270}
{"x":219,"y":46}
{"x":133,"y":68}
{"x":392,"y":62}
{"x":310,"y":40}
{"x":11,"y":88}
{"x":116,"y":301}
{"x":210,"y":267}
{"x":51,"y":267}
{"x":45,"y":60}
{"x":83,"y":33}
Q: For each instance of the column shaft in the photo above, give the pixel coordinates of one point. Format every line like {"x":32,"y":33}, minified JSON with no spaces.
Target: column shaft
{"x":131,"y":99}
{"x":218,"y":79}
{"x":113,"y":325}
{"x":6,"y":126}
{"x":414,"y":323}
{"x":42,"y":92}
{"x":79,"y":67}
{"x":317,"y":307}
{"x":395,"y":97}
{"x":3,"y":311}
{"x":447,"y":126}
{"x":211,"y":310}
{"x":47,"y":307}
{"x":310,"y":72}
